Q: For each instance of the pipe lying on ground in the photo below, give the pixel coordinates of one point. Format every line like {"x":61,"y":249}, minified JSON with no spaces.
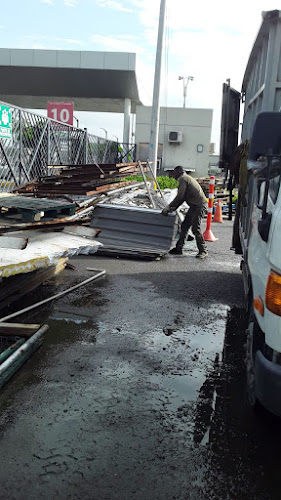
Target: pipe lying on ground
{"x":10,"y":350}
{"x":15,"y":360}
{"x":101,"y":273}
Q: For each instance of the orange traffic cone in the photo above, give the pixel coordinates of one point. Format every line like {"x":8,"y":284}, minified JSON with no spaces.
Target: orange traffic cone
{"x":218,"y":213}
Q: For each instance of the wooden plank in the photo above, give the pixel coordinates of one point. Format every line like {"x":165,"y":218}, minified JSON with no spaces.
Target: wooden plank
{"x":53,"y":224}
{"x":18,"y":329}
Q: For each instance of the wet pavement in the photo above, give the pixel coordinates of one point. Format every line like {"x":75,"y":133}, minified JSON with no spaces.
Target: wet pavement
{"x":138,"y":390}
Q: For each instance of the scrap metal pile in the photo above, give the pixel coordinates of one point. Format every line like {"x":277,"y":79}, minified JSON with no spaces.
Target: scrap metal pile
{"x":80,"y":209}
{"x":88,"y":179}
{"x":29,"y":223}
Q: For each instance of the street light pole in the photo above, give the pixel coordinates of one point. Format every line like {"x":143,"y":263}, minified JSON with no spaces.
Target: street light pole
{"x":154,"y":130}
{"x":105,"y":131}
{"x":185,"y":80}
{"x":77,"y":121}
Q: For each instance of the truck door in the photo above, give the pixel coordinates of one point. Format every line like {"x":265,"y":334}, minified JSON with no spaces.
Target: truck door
{"x":229,"y":131}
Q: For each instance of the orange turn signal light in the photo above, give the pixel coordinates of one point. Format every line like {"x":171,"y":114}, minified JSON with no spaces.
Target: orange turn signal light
{"x":258,"y":305}
{"x":273,"y":293}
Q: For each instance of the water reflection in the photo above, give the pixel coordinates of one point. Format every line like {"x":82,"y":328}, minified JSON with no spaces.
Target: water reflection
{"x":243,"y":448}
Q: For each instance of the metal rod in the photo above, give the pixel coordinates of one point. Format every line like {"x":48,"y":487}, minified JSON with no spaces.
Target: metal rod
{"x":146,"y":184}
{"x":124,"y":188}
{"x":10,"y":350}
{"x":38,"y":146}
{"x":8,"y":163}
{"x":33,"y":306}
{"x":156,"y":181}
{"x":22,"y":349}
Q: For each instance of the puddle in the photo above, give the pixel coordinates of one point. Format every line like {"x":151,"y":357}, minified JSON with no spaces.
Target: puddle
{"x":60,"y":316}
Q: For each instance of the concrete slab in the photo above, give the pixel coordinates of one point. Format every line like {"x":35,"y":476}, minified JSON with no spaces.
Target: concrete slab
{"x":94,"y":81}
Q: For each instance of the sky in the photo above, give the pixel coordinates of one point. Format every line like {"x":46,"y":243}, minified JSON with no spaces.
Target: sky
{"x":210,"y":41}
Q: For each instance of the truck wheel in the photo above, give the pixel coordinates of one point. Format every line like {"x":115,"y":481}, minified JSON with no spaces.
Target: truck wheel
{"x":250,"y":365}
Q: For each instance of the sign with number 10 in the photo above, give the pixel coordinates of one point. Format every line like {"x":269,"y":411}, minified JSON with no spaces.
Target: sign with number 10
{"x":60,"y":111}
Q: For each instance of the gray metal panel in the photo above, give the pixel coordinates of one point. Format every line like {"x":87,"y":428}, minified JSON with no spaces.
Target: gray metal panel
{"x":135,"y":228}
{"x":262,"y":80}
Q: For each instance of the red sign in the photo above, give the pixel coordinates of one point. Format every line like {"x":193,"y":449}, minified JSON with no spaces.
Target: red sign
{"x":60,"y":111}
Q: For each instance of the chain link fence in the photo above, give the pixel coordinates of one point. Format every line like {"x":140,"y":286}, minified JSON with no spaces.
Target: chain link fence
{"x":38,"y":142}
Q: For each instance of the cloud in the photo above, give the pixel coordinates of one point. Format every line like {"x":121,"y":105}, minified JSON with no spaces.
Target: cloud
{"x":114,"y":5}
{"x":70,"y":3}
{"x":48,"y":2}
{"x":38,"y":41}
{"x":70,"y":41}
{"x":120,"y":43}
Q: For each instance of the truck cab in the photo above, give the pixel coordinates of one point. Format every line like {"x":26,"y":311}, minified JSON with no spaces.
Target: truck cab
{"x":260,"y":237}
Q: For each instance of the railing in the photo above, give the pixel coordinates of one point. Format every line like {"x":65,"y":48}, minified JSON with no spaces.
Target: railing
{"x":37,"y":141}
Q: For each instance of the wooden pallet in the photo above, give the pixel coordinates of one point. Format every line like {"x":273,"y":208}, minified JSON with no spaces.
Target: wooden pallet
{"x":34,"y":209}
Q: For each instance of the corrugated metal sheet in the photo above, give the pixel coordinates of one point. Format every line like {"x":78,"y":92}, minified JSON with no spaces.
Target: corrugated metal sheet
{"x":133,"y":230}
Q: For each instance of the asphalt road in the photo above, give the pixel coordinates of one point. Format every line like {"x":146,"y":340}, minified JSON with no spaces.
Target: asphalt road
{"x":138,"y":390}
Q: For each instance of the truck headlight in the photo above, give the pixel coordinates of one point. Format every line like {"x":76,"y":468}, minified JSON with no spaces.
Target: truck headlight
{"x":273,"y":293}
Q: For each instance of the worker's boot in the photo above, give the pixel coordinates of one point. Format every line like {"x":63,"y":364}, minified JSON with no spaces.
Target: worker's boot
{"x":202,"y":255}
{"x":176,"y":251}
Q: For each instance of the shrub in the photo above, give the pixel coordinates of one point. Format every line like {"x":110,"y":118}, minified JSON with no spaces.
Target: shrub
{"x":164,"y":181}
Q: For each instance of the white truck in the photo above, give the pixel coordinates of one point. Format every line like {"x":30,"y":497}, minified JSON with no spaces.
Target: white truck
{"x":260,"y":214}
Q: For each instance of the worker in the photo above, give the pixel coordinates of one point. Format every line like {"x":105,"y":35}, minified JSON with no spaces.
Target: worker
{"x":239,"y":173}
{"x":191,"y":192}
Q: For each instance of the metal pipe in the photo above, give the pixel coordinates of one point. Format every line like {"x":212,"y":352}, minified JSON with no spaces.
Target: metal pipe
{"x":156,"y":182}
{"x":33,"y":306}
{"x":23,"y":349}
{"x":146,"y":184}
{"x":5,"y":354}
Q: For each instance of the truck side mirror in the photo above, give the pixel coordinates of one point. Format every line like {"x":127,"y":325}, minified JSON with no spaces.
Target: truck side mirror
{"x":264,"y":226}
{"x":262,"y":197}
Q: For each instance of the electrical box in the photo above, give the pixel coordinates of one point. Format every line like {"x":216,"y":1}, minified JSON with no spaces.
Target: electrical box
{"x":175,"y":136}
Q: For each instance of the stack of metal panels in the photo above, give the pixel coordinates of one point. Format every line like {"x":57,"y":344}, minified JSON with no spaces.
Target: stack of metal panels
{"x":135,"y":231}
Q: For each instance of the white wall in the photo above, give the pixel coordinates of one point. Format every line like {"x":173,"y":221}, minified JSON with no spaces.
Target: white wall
{"x":195,"y":125}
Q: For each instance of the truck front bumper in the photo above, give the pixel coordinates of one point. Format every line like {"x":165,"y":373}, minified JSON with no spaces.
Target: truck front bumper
{"x":268,"y":383}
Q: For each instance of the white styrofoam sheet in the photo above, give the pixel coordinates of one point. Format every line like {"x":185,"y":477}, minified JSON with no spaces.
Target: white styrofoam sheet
{"x":43,"y":250}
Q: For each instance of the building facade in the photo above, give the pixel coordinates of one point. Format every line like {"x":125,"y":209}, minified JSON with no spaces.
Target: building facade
{"x":184,"y":138}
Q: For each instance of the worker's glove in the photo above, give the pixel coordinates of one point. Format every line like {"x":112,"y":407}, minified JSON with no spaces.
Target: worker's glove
{"x":166,"y":210}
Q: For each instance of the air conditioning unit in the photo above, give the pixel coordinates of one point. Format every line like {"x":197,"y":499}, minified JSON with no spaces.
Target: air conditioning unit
{"x":175,"y":136}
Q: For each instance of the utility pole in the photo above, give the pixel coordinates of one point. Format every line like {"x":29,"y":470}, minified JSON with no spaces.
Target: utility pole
{"x":105,"y":131}
{"x":154,"y":130}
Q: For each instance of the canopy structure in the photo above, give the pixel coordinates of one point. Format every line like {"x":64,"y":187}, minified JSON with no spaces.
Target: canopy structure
{"x":94,"y":81}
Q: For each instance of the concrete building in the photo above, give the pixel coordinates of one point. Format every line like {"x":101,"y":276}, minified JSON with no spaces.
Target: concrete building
{"x":184,"y":138}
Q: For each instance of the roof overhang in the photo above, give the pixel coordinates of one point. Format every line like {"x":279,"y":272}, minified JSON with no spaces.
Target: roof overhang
{"x":94,"y":81}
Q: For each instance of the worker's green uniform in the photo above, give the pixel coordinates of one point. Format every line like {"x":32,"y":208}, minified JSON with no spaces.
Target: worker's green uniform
{"x":191,"y":192}
{"x":238,"y":168}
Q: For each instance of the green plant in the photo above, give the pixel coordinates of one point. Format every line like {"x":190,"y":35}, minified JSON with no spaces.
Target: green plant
{"x":166,"y":182}
{"x":136,"y":178}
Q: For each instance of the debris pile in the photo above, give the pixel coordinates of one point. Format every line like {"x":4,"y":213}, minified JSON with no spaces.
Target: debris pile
{"x":88,"y":179}
{"x":94,"y":208}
